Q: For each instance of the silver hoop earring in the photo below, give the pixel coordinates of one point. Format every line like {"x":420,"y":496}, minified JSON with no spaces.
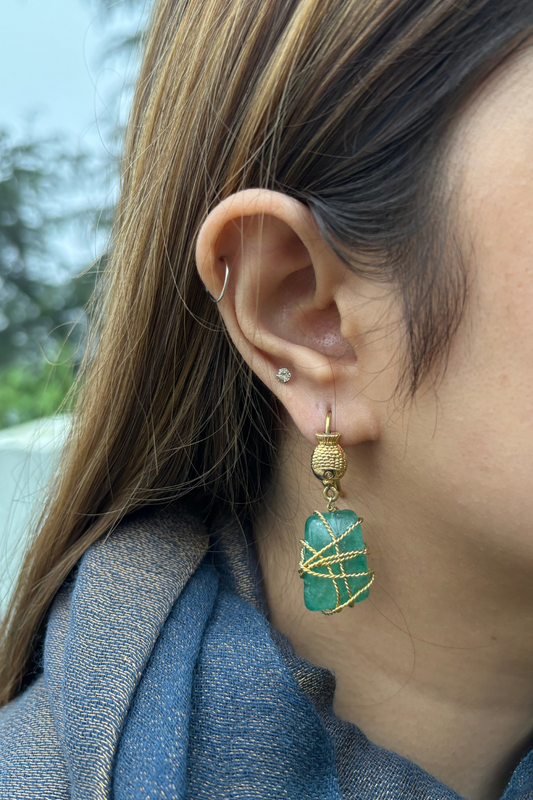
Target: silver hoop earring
{"x":221,"y":295}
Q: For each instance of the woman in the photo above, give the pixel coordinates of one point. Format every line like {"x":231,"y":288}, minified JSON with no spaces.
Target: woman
{"x":352,"y":184}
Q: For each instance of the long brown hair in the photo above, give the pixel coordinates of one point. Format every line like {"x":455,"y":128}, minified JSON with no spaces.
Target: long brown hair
{"x":343,"y":104}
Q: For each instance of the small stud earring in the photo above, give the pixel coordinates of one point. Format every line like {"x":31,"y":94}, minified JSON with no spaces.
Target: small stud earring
{"x":283,"y":375}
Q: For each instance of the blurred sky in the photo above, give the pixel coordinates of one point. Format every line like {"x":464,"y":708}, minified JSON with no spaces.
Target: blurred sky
{"x":51,"y":65}
{"x":55,"y":80}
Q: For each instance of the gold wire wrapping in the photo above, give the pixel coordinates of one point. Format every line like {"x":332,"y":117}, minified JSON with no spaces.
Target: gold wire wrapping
{"x":318,"y":559}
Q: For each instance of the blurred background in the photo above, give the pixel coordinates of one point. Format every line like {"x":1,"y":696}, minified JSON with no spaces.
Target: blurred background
{"x":67,"y":70}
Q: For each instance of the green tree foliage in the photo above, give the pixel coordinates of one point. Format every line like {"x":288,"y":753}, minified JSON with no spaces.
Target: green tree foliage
{"x":40,"y":311}
{"x":42,"y":316}
{"x":36,"y":306}
{"x":40,"y":391}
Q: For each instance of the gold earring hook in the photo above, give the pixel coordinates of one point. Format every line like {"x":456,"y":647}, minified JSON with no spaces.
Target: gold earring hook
{"x":329,"y":462}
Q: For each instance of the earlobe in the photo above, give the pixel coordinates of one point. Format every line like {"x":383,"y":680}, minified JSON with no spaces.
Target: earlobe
{"x":280,"y":307}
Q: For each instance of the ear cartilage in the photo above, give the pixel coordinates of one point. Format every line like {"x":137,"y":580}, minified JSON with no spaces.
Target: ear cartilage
{"x":283,"y":375}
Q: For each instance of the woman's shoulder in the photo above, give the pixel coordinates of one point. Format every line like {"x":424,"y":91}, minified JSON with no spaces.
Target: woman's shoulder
{"x":159,"y":665}
{"x":102,"y":630}
{"x":31,"y":759}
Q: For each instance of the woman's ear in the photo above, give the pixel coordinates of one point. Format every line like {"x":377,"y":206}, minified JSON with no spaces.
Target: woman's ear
{"x":290,"y":302}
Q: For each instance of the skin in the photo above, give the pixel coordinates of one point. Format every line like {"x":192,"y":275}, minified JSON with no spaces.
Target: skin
{"x":436,"y":665}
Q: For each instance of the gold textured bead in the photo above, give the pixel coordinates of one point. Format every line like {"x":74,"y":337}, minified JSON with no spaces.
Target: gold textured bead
{"x":329,"y":460}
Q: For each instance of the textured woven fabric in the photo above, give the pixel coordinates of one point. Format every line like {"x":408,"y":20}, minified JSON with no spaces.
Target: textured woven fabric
{"x":163,"y":678}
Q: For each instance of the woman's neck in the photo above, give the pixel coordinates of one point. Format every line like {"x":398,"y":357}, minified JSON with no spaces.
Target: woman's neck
{"x":436,"y":665}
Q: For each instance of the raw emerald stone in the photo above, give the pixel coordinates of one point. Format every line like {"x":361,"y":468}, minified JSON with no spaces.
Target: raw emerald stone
{"x":320,"y":593}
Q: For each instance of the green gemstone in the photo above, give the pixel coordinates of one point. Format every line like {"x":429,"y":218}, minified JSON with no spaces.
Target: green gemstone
{"x":320,"y":593}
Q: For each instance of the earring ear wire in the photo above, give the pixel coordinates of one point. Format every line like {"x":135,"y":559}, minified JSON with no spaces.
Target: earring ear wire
{"x":221,"y":295}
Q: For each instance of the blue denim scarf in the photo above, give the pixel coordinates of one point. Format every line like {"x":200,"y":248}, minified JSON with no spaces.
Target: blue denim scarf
{"x":163,"y":678}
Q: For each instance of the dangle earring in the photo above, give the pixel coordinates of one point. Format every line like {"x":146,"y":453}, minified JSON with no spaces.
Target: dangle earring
{"x":333,"y":561}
